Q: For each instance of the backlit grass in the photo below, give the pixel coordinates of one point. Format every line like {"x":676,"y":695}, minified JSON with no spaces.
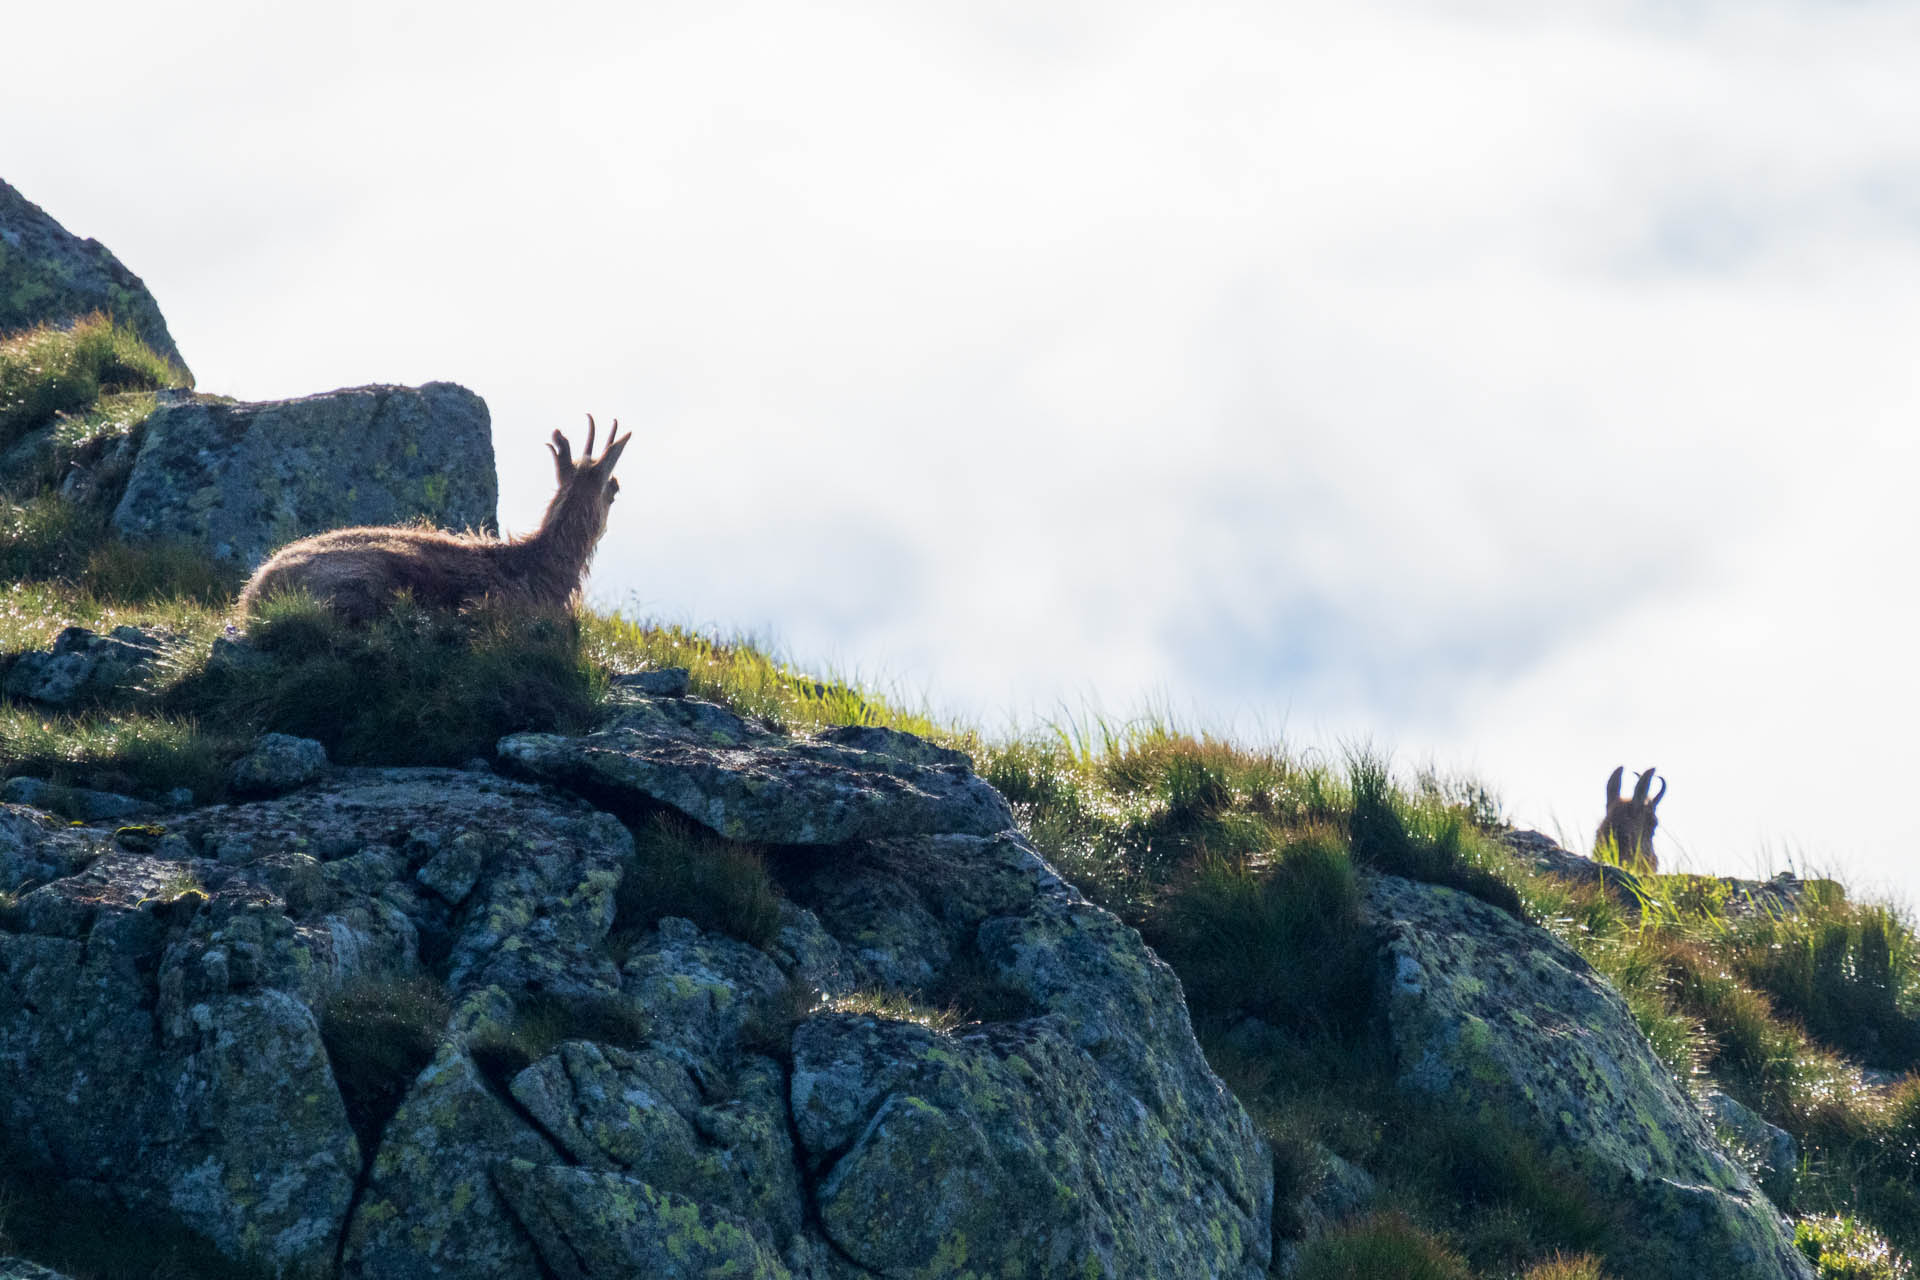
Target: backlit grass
{"x":54,"y":369}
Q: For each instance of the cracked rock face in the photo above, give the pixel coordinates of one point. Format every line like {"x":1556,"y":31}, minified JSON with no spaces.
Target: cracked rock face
{"x":752,"y":1122}
{"x":1492,"y":1017}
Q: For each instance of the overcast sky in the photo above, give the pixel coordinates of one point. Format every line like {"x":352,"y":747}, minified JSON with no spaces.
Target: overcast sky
{"x":1529,"y":389}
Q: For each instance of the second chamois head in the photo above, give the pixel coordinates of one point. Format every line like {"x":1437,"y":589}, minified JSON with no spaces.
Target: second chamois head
{"x":1629,"y":823}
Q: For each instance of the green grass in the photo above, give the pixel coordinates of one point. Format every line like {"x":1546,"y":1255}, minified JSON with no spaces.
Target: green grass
{"x":746,"y":677}
{"x":1377,"y":1246}
{"x":133,"y":752}
{"x":1278,"y":937}
{"x":681,"y":869}
{"x":1847,"y":972}
{"x":380,"y":1032}
{"x":414,"y":687}
{"x":1843,"y":1249}
{"x":52,"y":370}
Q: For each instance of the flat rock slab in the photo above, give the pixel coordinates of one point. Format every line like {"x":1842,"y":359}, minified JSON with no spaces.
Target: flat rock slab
{"x":1493,"y":1018}
{"x":749,"y":783}
{"x":244,"y":479}
{"x":48,"y":275}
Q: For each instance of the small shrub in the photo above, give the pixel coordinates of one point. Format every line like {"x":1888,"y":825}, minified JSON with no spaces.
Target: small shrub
{"x":681,"y":869}
{"x":1283,"y":941}
{"x":1491,"y":1164}
{"x":768,"y":1030}
{"x":1377,"y":1246}
{"x":1581,"y":1266}
{"x":896,"y":1006}
{"x":380,"y":1033}
{"x":415,"y":687}
{"x":1842,"y":1248}
{"x":975,"y":991}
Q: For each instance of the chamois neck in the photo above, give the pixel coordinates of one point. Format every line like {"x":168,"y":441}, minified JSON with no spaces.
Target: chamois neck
{"x":554,"y":558}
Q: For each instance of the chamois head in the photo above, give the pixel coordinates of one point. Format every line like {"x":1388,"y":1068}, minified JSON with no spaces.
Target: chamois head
{"x":1629,"y":824}
{"x":587,"y":487}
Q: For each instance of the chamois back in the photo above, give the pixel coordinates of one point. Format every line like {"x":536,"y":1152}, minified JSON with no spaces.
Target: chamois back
{"x":1629,"y":823}
{"x":357,"y":572}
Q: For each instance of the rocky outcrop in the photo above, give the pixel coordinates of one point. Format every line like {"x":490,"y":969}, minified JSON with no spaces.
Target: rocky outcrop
{"x":664,"y":1100}
{"x":48,"y":275}
{"x":243,"y":479}
{"x":1489,"y":1017}
{"x":749,"y":783}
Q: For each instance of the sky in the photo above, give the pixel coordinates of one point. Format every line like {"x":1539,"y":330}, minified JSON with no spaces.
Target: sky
{"x":1526,"y":390}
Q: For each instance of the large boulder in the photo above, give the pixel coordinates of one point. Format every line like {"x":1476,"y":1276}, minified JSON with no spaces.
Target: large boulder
{"x":749,"y":783}
{"x":1493,"y":1019}
{"x":244,"y":479}
{"x":48,"y":275}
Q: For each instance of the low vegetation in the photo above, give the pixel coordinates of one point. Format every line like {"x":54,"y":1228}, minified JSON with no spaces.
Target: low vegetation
{"x":55,"y":370}
{"x":1243,"y":864}
{"x":540,"y":1023}
{"x":682,"y":869}
{"x":380,"y":1033}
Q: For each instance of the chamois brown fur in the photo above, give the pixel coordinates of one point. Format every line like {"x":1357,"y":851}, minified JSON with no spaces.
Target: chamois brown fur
{"x":357,"y":572}
{"x":1628,"y":826}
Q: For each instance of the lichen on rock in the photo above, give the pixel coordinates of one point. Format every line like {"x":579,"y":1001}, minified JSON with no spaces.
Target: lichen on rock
{"x":240,"y":480}
{"x":1490,"y":1017}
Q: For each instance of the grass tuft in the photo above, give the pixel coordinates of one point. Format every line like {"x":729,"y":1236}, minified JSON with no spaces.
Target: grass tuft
{"x":121,"y":751}
{"x":1376,"y":1246}
{"x":1277,"y":937}
{"x":1842,"y":1248}
{"x":51,"y":369}
{"x":1428,"y":843}
{"x":380,"y":1033}
{"x":681,"y":869}
{"x":415,"y":687}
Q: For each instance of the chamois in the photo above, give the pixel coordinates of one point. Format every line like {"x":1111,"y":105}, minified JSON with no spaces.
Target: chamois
{"x":357,"y":572}
{"x":1629,"y":824}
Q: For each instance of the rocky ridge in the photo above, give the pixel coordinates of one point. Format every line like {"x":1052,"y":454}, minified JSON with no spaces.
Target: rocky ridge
{"x":177,"y":981}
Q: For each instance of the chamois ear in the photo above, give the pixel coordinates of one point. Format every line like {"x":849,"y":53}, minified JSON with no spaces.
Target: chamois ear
{"x":562,"y":455}
{"x":1643,"y":786}
{"x":1613,"y":786}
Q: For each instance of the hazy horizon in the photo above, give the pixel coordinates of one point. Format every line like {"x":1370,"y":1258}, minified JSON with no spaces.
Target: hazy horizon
{"x":1524,"y":392}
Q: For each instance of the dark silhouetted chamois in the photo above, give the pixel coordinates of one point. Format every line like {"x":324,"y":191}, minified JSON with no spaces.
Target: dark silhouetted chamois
{"x":1628,"y":826}
{"x":357,"y":572}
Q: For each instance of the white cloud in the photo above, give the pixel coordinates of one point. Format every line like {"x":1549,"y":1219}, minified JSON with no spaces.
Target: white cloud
{"x":1529,"y":386}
